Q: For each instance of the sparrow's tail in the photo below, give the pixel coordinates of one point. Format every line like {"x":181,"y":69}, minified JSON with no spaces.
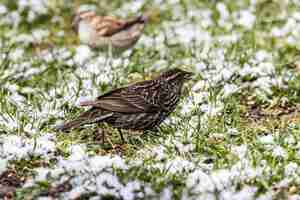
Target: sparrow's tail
{"x":142,"y":19}
{"x":152,"y":15}
{"x":89,"y":117}
{"x":69,"y":125}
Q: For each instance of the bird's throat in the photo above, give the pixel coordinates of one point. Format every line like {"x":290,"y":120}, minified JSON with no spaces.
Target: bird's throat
{"x":85,"y":32}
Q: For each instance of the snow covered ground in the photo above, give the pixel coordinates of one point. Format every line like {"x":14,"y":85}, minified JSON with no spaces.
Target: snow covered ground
{"x":235,"y":135}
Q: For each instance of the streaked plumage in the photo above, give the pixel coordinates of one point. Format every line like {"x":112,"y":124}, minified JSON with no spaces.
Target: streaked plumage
{"x":141,"y":106}
{"x":104,"y":31}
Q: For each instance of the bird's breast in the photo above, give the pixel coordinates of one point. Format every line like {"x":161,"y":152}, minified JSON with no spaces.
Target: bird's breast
{"x":85,"y":32}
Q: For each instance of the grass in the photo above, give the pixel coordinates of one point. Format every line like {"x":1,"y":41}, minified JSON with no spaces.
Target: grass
{"x":249,"y":133}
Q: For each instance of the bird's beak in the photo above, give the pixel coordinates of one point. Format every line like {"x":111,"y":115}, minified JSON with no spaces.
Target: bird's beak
{"x":188,"y":75}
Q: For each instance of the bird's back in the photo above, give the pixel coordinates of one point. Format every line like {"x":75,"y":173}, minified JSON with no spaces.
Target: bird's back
{"x":140,"y":106}
{"x":154,"y":92}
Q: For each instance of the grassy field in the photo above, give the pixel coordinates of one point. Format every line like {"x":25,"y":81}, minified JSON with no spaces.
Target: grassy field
{"x":234,"y":136}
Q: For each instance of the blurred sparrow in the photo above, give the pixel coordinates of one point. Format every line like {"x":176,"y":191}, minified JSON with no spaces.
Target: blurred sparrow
{"x":107,"y":31}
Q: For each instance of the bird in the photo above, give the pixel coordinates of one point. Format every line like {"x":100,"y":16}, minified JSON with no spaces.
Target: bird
{"x":140,"y":106}
{"x":108,"y":32}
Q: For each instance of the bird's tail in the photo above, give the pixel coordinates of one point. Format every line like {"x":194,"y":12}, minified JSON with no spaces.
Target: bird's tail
{"x":142,"y":19}
{"x":152,"y":15}
{"x":89,"y":117}
{"x":69,"y":125}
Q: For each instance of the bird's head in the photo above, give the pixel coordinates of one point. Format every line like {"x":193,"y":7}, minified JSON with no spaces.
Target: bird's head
{"x":176,"y":75}
{"x":79,"y":16}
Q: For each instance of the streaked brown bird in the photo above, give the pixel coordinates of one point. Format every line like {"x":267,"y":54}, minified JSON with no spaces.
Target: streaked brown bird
{"x":141,"y":106}
{"x":107,"y":32}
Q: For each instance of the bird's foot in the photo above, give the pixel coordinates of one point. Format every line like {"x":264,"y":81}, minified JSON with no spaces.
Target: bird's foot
{"x":122,"y":137}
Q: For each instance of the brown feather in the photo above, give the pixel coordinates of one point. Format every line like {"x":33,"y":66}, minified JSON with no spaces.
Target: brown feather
{"x":103,"y":31}
{"x":141,"y":106}
{"x":111,"y":25}
{"x":87,"y":117}
{"x":124,"y":103}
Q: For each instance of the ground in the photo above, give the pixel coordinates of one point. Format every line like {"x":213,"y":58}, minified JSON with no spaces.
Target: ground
{"x":234,"y":135}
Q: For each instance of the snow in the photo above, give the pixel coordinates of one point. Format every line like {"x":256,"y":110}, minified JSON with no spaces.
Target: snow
{"x":206,"y":40}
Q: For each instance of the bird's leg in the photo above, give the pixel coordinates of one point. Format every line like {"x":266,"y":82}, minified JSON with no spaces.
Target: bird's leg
{"x":110,"y":142}
{"x":109,"y":55}
{"x":133,"y":51}
{"x":106,"y":59}
{"x":100,"y":131}
{"x":106,"y":138}
{"x":121,"y":136}
{"x":99,"y":135}
{"x":110,"y":51}
{"x":103,"y":137}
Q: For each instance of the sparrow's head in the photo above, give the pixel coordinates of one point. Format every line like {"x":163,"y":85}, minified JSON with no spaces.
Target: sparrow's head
{"x":176,"y":75}
{"x":79,"y":16}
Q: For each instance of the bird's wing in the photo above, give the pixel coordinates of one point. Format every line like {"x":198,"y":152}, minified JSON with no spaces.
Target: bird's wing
{"x":108,"y":25}
{"x":128,"y":101}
